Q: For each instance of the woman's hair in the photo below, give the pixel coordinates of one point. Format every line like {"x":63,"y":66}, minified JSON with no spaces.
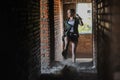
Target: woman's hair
{"x":72,"y":11}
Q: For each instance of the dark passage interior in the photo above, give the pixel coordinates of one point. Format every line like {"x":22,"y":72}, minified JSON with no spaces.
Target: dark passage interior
{"x":37,"y":28}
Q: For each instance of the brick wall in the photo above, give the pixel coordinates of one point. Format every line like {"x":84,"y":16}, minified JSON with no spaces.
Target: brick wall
{"x":74,"y":1}
{"x":58,"y":25}
{"x":44,"y":33}
{"x":33,"y":30}
{"x":108,"y":47}
{"x":103,"y":28}
{"x":84,"y":48}
{"x":51,"y":32}
{"x":23,"y":20}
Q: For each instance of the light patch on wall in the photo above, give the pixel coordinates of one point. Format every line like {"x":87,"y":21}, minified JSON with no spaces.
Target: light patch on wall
{"x":85,"y":12}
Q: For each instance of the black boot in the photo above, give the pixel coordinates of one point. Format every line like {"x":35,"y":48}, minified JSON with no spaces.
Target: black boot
{"x":64,"y":54}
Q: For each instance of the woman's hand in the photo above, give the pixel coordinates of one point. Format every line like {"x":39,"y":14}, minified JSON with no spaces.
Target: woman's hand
{"x":80,"y":19}
{"x":78,"y":16}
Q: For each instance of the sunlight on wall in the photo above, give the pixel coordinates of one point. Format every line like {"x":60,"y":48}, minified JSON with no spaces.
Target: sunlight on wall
{"x":85,"y":12}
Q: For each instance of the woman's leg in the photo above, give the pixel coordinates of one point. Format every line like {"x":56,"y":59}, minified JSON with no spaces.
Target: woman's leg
{"x":65,"y":47}
{"x":66,"y":43}
{"x":74,"y":46}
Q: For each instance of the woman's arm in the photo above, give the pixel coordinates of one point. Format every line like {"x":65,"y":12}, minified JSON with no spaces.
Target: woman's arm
{"x":80,"y":20}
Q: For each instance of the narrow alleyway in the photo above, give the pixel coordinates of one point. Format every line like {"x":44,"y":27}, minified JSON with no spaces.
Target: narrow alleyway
{"x":36,"y":26}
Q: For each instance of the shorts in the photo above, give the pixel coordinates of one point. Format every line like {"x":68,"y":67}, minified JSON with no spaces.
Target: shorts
{"x":73,"y":37}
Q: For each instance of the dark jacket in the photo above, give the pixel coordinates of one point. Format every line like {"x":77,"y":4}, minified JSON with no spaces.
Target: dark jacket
{"x":68,"y":27}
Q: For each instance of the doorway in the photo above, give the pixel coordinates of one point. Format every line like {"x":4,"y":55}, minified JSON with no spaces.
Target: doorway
{"x":85,"y":47}
{"x":84,"y":52}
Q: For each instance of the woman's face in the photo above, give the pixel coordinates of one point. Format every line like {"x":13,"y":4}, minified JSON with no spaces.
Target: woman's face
{"x":68,"y":13}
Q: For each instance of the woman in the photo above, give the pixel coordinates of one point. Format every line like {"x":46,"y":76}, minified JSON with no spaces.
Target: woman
{"x":71,"y":33}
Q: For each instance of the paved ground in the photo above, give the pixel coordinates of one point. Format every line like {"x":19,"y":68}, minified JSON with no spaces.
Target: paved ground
{"x":82,"y":65}
{"x":66,"y":70}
